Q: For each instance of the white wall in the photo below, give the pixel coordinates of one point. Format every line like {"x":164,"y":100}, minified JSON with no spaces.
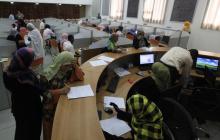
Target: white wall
{"x":83,"y":2}
{"x":201,"y":39}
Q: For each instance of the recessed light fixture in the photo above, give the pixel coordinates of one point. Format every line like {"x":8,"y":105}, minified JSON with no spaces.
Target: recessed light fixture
{"x":12,"y":2}
{"x":36,"y":3}
{"x":59,"y":4}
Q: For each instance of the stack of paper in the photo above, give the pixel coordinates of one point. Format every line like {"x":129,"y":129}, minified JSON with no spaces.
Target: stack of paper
{"x":121,"y":71}
{"x":105,"y":58}
{"x":4,"y":60}
{"x":96,"y":63}
{"x":80,"y":91}
{"x":115,"y":126}
{"x":118,"y":101}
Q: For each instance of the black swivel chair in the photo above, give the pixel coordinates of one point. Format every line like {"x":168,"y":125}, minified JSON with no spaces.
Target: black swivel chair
{"x":177,"y":119}
{"x":209,"y":77}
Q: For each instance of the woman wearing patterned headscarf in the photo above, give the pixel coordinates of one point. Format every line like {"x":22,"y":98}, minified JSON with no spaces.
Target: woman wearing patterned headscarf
{"x":144,"y":117}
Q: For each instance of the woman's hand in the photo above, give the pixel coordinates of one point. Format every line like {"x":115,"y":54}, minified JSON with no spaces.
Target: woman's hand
{"x":65,"y":90}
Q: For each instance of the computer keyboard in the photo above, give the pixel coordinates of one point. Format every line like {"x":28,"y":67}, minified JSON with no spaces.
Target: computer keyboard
{"x":113,"y":84}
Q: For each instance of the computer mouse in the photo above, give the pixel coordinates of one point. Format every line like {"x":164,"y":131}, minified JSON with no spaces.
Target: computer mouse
{"x":108,"y":110}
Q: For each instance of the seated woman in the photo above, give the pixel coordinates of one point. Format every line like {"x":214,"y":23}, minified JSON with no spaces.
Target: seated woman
{"x":12,"y":33}
{"x":144,"y":117}
{"x":55,"y":76}
{"x":112,"y":42}
{"x":140,"y":41}
{"x":65,"y":43}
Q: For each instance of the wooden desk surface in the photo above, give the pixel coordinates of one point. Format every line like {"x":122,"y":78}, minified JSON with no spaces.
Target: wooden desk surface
{"x":78,"y":119}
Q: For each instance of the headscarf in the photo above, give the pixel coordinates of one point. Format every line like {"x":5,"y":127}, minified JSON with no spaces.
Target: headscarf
{"x":64,"y":57}
{"x":64,"y":37}
{"x":161,"y":76}
{"x":67,"y":46}
{"x":36,"y":40}
{"x":146,"y":118}
{"x":19,"y":66}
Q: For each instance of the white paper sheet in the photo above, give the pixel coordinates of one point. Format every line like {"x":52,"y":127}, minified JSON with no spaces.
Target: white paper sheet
{"x":118,"y":101}
{"x":115,"y":126}
{"x":105,"y":58}
{"x":80,"y":91}
{"x":121,"y":72}
{"x":96,"y":63}
{"x":3,"y":60}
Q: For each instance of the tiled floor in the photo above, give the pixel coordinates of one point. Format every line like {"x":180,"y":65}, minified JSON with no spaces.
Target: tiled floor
{"x":7,"y":127}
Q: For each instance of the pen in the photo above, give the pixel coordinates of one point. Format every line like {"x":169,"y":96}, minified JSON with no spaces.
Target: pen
{"x":66,"y":85}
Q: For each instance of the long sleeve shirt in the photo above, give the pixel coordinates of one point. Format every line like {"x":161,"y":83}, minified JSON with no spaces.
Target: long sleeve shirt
{"x":180,"y":59}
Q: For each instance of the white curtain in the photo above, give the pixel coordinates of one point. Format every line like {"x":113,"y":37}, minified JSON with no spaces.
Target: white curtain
{"x":154,"y":11}
{"x":116,"y":11}
{"x":212,"y":16}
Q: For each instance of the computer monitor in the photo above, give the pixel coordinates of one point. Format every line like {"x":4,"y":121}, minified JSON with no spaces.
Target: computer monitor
{"x":210,"y":63}
{"x":146,"y":59}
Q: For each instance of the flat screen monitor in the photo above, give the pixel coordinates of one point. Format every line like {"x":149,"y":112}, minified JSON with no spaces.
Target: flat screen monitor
{"x":210,"y":63}
{"x":146,"y":59}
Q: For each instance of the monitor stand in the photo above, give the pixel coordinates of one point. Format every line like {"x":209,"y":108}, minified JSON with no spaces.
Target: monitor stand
{"x":200,"y":72}
{"x":144,"y":67}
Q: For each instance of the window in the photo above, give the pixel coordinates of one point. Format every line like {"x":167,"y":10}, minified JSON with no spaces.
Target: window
{"x":154,"y":11}
{"x":116,"y":11}
{"x":212,"y":16}
{"x":105,"y":7}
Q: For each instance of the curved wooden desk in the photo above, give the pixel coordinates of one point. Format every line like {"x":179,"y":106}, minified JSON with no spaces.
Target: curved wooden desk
{"x":78,"y":119}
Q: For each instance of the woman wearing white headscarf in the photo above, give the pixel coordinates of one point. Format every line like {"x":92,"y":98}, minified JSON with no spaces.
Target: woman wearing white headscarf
{"x":36,"y":40}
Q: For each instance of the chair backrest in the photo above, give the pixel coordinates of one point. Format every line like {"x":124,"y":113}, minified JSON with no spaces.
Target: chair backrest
{"x":154,"y":42}
{"x":86,"y":54}
{"x":209,"y":77}
{"x":205,"y":103}
{"x":53,"y":43}
{"x":37,"y":62}
{"x":173,"y":92}
{"x":177,"y":119}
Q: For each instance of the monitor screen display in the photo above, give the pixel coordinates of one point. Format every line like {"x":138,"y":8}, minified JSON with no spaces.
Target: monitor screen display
{"x":146,"y":59}
{"x":211,"y":63}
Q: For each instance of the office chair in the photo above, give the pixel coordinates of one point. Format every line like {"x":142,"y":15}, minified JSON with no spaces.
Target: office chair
{"x":177,"y":119}
{"x":209,"y":77}
{"x":154,"y":42}
{"x":203,"y":104}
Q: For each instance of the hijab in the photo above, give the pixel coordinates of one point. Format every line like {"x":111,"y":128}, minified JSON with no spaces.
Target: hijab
{"x":161,"y":75}
{"x":19,"y":68}
{"x":64,"y":38}
{"x":146,"y":118}
{"x":36,"y":40}
{"x":64,"y":57}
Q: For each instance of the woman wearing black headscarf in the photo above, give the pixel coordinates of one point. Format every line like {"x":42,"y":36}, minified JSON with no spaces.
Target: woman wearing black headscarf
{"x":26,"y":91}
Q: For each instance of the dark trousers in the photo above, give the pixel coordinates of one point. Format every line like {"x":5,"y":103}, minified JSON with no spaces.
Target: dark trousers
{"x":28,"y":128}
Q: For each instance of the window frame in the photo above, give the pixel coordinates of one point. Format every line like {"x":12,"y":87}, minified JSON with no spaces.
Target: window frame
{"x":165,"y":12}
